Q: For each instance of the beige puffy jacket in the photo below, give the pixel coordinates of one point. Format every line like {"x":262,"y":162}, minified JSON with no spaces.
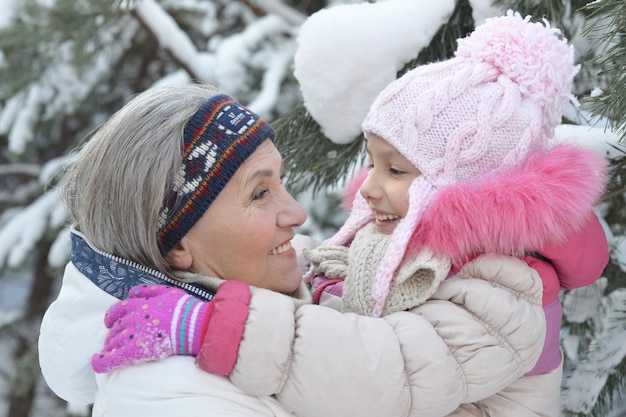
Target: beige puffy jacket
{"x":463,"y":353}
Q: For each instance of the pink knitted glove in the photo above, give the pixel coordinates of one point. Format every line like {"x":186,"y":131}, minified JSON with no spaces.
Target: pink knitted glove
{"x":158,"y":321}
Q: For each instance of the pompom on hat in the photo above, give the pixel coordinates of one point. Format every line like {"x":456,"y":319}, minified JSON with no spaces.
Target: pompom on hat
{"x":497,"y":100}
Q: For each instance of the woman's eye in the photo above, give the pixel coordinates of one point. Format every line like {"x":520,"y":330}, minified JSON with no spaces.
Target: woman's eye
{"x":259,"y":194}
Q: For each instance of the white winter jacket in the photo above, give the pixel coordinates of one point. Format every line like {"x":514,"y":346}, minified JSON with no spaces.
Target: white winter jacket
{"x":73,"y":329}
{"x":319,"y":362}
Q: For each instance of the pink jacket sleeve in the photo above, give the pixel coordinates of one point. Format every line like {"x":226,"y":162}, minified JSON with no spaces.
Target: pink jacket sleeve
{"x":218,"y":351}
{"x":549,"y":277}
{"x":581,"y":260}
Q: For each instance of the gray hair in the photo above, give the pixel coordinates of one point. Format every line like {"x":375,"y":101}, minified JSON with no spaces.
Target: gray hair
{"x":116,"y":187}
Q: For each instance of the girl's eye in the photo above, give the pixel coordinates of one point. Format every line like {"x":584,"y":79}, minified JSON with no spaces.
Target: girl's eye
{"x":395,"y":171}
{"x":259,"y":194}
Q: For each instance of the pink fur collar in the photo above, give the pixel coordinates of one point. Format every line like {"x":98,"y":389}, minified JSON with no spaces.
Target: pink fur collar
{"x":533,"y":204}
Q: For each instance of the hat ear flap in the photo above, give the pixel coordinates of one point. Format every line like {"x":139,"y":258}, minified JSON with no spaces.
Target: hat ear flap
{"x":359,"y":216}
{"x":421,"y":193}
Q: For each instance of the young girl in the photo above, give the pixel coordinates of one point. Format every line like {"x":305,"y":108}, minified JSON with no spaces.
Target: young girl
{"x":343,"y":277}
{"x":462,"y":179}
{"x":493,"y":183}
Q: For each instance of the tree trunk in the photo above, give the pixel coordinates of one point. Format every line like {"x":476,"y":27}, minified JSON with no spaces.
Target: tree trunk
{"x":21,"y":395}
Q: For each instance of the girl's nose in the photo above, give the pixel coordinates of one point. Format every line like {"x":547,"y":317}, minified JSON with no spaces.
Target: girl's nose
{"x":370,"y":189}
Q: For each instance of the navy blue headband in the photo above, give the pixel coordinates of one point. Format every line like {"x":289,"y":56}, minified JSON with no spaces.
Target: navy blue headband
{"x":218,"y":138}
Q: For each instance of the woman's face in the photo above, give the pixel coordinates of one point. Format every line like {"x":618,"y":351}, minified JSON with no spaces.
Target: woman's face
{"x":246,"y":232}
{"x":386,"y":188}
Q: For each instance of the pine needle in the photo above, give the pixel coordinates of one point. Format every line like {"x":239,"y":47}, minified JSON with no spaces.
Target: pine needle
{"x":310,"y":158}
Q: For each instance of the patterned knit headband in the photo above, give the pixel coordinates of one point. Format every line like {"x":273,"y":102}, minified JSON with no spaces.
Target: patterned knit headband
{"x":218,"y":138}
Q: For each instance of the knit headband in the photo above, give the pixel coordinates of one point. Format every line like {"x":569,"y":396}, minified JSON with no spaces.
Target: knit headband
{"x":218,"y":138}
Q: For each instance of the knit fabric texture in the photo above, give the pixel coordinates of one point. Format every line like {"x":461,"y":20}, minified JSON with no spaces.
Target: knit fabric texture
{"x":415,"y":281}
{"x":218,"y":139}
{"x":499,"y":98}
{"x":154,"y":322}
{"x":330,"y":261}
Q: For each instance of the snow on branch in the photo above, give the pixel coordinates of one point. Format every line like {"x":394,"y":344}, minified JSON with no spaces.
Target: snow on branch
{"x":607,"y":350}
{"x":277,"y":67}
{"x":31,"y":170}
{"x":23,"y":228}
{"x":278,"y":8}
{"x":342,"y":63}
{"x":170,"y":36}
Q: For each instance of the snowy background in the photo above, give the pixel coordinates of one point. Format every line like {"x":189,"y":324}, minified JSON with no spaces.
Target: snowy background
{"x":66,"y":65}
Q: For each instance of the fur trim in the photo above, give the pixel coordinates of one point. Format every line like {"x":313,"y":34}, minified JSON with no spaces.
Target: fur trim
{"x":534,"y":204}
{"x":352,"y":187}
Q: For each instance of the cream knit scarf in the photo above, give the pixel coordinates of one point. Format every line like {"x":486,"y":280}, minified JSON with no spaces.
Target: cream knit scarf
{"x":417,"y":278}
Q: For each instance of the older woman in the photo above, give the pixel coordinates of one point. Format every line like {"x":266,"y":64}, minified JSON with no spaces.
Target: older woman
{"x":182,"y":187}
{"x":140,"y":216}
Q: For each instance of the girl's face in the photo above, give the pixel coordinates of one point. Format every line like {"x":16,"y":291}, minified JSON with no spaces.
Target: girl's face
{"x":387,"y":185}
{"x":246,"y":232}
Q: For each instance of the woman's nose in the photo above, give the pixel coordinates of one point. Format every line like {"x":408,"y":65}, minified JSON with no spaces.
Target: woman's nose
{"x":293,"y":214}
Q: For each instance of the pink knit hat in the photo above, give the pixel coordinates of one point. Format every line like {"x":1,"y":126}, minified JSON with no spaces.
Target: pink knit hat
{"x":498,"y":99}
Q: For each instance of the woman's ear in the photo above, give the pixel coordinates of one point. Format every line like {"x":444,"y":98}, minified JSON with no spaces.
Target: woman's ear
{"x":180,"y":256}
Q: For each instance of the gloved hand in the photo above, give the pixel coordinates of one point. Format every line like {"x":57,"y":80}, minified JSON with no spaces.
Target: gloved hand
{"x":331,"y":261}
{"x":157,"y":321}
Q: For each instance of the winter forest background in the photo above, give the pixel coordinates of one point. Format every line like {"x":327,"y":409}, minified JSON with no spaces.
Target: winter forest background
{"x":66,"y":65}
